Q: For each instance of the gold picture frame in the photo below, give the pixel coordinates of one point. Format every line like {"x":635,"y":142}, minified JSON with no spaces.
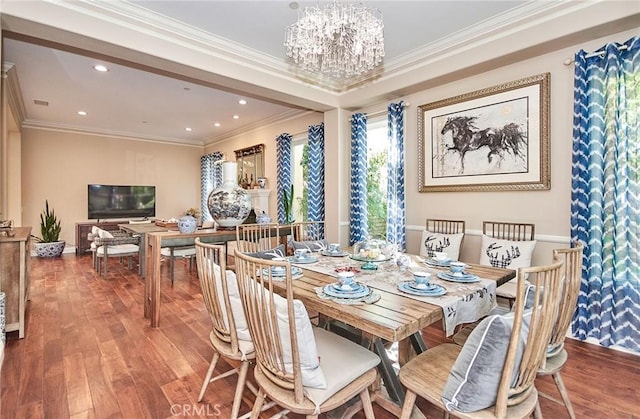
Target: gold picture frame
{"x":494,"y":139}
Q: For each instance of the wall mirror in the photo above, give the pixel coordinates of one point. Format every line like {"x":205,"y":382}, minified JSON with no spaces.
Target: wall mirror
{"x":250,"y":165}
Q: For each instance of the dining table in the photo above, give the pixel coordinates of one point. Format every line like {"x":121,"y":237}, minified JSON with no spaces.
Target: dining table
{"x":388,"y":314}
{"x":154,"y":241}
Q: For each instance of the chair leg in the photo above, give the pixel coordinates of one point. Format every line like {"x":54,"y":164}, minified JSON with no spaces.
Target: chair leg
{"x":207,"y":379}
{"x":237,"y":399}
{"x":257,"y":406}
{"x":537,"y":412}
{"x":409,"y":402}
{"x":563,"y":392}
{"x":366,"y":404}
{"x":171,"y":268}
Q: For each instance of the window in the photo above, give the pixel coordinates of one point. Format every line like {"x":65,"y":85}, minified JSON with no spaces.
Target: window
{"x":299,"y":173}
{"x":378,"y":156}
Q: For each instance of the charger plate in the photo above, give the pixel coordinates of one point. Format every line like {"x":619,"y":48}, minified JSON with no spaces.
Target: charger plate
{"x":359,"y":291}
{"x":434,"y":290}
{"x":438,"y":263}
{"x":340,"y":254}
{"x":447,"y":276}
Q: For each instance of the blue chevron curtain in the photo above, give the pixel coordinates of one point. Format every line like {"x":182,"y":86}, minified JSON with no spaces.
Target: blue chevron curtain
{"x":283,"y":172}
{"x":605,"y":189}
{"x":315,"y":177}
{"x":358,"y":202}
{"x":210,"y":178}
{"x":396,"y":219}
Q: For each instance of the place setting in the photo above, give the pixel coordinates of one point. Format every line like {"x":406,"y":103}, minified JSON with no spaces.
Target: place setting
{"x":457,"y":273}
{"x":439,"y":260}
{"x":279,"y":272}
{"x":302,"y":256}
{"x":421,"y":285}
{"x":347,"y":290}
{"x":334,"y":251}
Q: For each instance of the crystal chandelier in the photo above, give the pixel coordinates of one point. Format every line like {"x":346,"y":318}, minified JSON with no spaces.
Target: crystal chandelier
{"x":340,"y":40}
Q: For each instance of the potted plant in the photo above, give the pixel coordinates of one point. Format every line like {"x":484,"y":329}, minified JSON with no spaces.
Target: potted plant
{"x":49,"y":243}
{"x":287,"y":202}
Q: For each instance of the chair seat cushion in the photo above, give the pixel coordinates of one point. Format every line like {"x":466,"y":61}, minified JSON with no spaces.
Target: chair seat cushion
{"x":475,"y":377}
{"x":438,"y":242}
{"x":178,"y":253}
{"x":311,"y":245}
{"x":342,"y":361}
{"x":119,"y":249}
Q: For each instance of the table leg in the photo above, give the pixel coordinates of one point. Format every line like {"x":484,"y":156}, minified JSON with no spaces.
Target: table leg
{"x":389,"y":377}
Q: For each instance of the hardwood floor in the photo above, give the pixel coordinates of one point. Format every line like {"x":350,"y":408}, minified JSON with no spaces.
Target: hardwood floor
{"x":88,"y":353}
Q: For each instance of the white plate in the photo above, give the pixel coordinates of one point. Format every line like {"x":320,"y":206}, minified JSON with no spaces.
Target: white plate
{"x":331,"y":291}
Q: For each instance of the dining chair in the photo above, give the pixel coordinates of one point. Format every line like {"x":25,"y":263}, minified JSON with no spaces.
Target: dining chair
{"x":172,"y":253}
{"x":229,"y":335}
{"x":115,"y":244}
{"x":493,"y":374}
{"x":308,"y":230}
{"x":304,"y":369}
{"x":445,"y":226}
{"x":556,"y":356}
{"x":257,"y":237}
{"x":514,"y":232}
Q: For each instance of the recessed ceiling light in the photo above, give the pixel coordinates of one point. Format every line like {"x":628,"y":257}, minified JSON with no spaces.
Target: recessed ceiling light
{"x":82,"y":113}
{"x":187,"y":129}
{"x":100,"y":68}
{"x":217,"y":124}
{"x":242,"y":102}
{"x":236,"y":117}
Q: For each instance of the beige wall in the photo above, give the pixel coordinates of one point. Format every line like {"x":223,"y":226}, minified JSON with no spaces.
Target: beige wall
{"x":57,"y":166}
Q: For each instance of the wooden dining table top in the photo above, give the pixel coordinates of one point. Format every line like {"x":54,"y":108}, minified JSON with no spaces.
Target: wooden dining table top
{"x":393,"y":317}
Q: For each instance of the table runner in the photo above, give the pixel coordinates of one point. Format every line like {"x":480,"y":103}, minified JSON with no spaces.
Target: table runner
{"x":463,"y":302}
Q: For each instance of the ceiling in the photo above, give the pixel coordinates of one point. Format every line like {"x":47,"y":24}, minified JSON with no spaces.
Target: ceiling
{"x":133,"y":100}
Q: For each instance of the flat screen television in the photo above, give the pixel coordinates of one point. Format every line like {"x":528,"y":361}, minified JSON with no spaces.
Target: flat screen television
{"x":119,"y":201}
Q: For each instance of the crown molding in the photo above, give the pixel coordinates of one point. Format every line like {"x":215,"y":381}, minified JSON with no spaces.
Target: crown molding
{"x":14,"y":95}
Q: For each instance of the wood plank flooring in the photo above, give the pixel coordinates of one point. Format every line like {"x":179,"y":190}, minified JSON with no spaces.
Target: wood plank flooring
{"x":88,"y":353}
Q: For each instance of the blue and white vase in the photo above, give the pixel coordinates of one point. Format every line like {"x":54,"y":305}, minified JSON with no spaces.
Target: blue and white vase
{"x":187,"y":224}
{"x":263,"y":218}
{"x":229,"y":205}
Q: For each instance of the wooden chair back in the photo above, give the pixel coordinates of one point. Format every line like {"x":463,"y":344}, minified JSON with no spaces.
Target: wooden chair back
{"x":509,"y":231}
{"x":257,"y":293}
{"x":572,"y":272}
{"x":308,"y":230}
{"x":257,"y":237}
{"x":212,"y":273}
{"x":546,"y":297}
{"x":445,"y":226}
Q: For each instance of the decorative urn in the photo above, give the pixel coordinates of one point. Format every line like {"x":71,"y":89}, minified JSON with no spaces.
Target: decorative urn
{"x":229,"y":205}
{"x":187,"y":224}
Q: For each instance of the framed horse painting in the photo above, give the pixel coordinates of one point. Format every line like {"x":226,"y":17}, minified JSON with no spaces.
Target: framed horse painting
{"x":495,"y":139}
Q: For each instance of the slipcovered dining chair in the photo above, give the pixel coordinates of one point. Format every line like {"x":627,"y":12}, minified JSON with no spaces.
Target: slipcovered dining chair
{"x":172,"y":253}
{"x":556,"y":355}
{"x":442,"y":236}
{"x":507,"y":245}
{"x":116,"y":244}
{"x":493,"y":374}
{"x":229,"y":335}
{"x":304,"y":369}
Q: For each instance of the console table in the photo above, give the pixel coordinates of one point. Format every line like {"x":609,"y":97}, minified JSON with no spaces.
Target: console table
{"x":15,"y":254}
{"x":157,"y":240}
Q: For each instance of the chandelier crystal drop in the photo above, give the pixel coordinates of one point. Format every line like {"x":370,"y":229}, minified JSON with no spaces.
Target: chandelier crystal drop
{"x":339,"y":40}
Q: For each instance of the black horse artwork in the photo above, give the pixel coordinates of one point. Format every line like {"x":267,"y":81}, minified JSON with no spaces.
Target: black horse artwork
{"x":500,"y":141}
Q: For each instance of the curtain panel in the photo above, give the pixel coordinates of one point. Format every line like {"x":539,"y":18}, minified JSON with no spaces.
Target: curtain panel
{"x":396,"y":218}
{"x":315,"y":177}
{"x":358,"y":202}
{"x":283,"y":172}
{"x":605,"y":189}
{"x":210,"y":179}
